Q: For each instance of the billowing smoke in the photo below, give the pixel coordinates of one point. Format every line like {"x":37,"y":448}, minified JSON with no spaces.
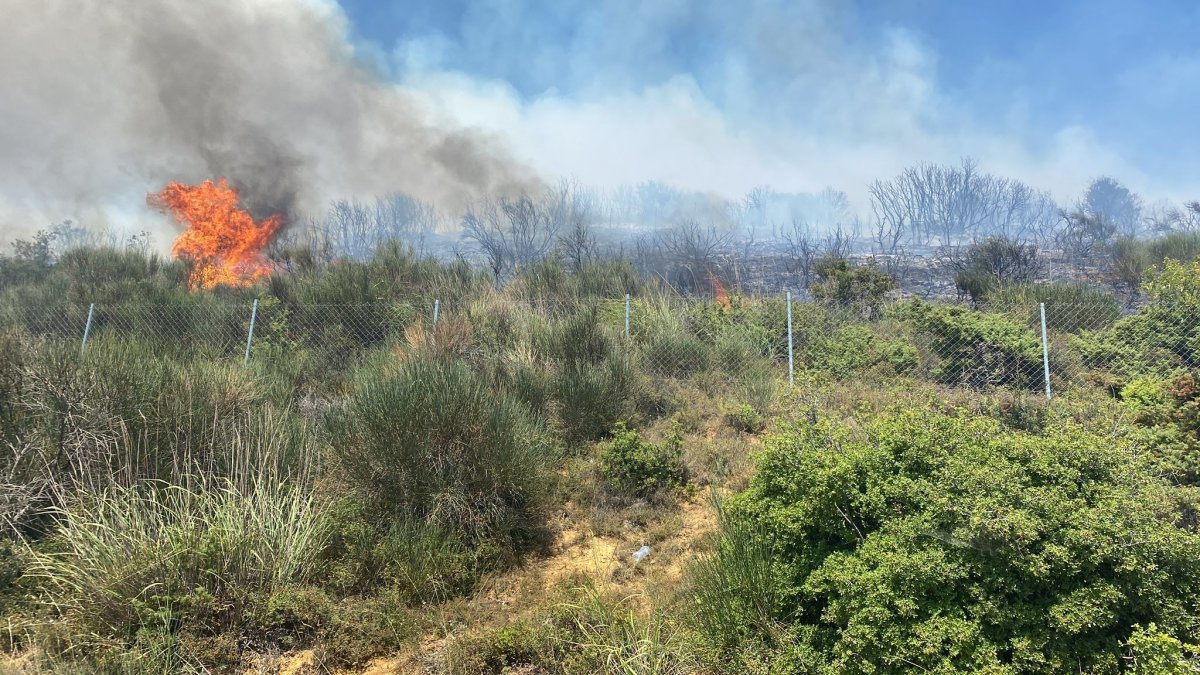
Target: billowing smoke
{"x":102,"y":102}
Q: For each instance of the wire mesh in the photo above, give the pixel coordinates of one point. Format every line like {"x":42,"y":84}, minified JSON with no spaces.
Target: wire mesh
{"x":998,"y":344}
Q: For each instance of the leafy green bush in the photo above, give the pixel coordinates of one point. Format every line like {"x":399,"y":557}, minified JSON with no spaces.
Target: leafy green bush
{"x":421,"y":563}
{"x":1170,"y":410}
{"x":1161,"y":338}
{"x":430,"y":440}
{"x":842,"y":352}
{"x":858,"y":289}
{"x":633,"y":467}
{"x":746,"y":419}
{"x":977,"y":349}
{"x":901,"y":355}
{"x":948,"y":543}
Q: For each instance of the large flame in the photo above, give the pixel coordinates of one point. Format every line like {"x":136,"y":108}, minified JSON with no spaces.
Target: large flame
{"x":221,"y":239}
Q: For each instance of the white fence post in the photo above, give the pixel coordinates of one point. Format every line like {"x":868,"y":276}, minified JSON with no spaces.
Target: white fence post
{"x":627,"y":316}
{"x":250,"y":334}
{"x":437,"y":307}
{"x":791,"y":366}
{"x":87,"y":328}
{"x":1045,"y":353}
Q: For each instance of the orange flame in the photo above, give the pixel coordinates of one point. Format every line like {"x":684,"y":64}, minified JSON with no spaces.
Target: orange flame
{"x":719,"y":294}
{"x":222,"y":241}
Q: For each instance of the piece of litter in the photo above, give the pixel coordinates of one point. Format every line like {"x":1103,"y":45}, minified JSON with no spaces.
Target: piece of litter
{"x":641,"y":553}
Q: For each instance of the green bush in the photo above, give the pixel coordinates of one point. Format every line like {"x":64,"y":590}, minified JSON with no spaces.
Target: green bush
{"x":430,"y":440}
{"x":950,"y":544}
{"x":1169,"y":408}
{"x":995,"y":261}
{"x":857,"y":289}
{"x":977,"y":349}
{"x":1161,"y":338}
{"x":635,"y":468}
{"x":843,"y":351}
{"x":901,"y":355}
{"x":593,"y":399}
{"x":595,"y":384}
{"x":746,"y":419}
{"x":676,"y":355}
{"x":739,"y":598}
{"x":421,"y":563}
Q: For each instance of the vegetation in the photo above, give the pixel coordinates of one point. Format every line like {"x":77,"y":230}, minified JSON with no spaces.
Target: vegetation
{"x":945,"y":542}
{"x":468,"y":494}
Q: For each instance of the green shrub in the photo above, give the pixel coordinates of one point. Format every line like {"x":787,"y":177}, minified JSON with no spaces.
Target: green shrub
{"x":1161,"y":338}
{"x":633,"y":467}
{"x":847,"y":350}
{"x":676,"y":355}
{"x":1181,"y":246}
{"x":1169,"y":408}
{"x":1154,"y":653}
{"x":739,"y":348}
{"x":422,"y":563}
{"x":289,"y":617}
{"x":948,"y":543}
{"x":857,"y":289}
{"x":977,"y":349}
{"x":901,"y":355}
{"x":594,"y":398}
{"x":430,"y":440}
{"x":361,"y":629}
{"x":995,"y":261}
{"x":746,"y":419}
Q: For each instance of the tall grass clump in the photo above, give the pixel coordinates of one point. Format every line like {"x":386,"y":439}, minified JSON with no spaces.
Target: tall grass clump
{"x":432,"y":441}
{"x":135,"y":558}
{"x":595,"y":385}
{"x":122,"y":409}
{"x":736,"y":593}
{"x":1070,"y":307}
{"x":607,"y":635}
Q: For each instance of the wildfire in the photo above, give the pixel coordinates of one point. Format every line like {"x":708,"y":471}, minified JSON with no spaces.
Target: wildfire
{"x":221,"y":239}
{"x":719,"y":294}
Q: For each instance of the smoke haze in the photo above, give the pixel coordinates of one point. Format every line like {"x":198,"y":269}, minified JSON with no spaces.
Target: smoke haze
{"x":104,"y":102}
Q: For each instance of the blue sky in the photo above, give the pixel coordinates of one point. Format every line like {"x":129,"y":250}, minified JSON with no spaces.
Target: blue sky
{"x":1051,"y":91}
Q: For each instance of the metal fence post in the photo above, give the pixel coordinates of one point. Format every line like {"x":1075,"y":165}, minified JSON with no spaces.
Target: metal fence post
{"x":87,"y":328}
{"x":1045,"y":352}
{"x":437,"y":307}
{"x":250,"y":334}
{"x":791,"y":366}
{"x":627,"y":316}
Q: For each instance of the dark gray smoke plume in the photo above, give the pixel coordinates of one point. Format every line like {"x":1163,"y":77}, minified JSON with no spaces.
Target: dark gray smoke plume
{"x":103,"y":101}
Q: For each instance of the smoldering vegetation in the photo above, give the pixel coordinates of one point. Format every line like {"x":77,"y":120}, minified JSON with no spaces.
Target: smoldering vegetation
{"x":938,"y":231}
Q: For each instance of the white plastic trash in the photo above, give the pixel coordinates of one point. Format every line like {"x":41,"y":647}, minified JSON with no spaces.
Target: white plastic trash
{"x":641,"y":553}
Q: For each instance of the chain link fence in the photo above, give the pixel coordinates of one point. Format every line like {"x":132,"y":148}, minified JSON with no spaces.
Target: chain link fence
{"x":1023,"y":344}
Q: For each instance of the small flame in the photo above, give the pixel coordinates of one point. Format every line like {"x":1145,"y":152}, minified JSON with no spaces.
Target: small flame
{"x":719,"y":294}
{"x":221,"y":239}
